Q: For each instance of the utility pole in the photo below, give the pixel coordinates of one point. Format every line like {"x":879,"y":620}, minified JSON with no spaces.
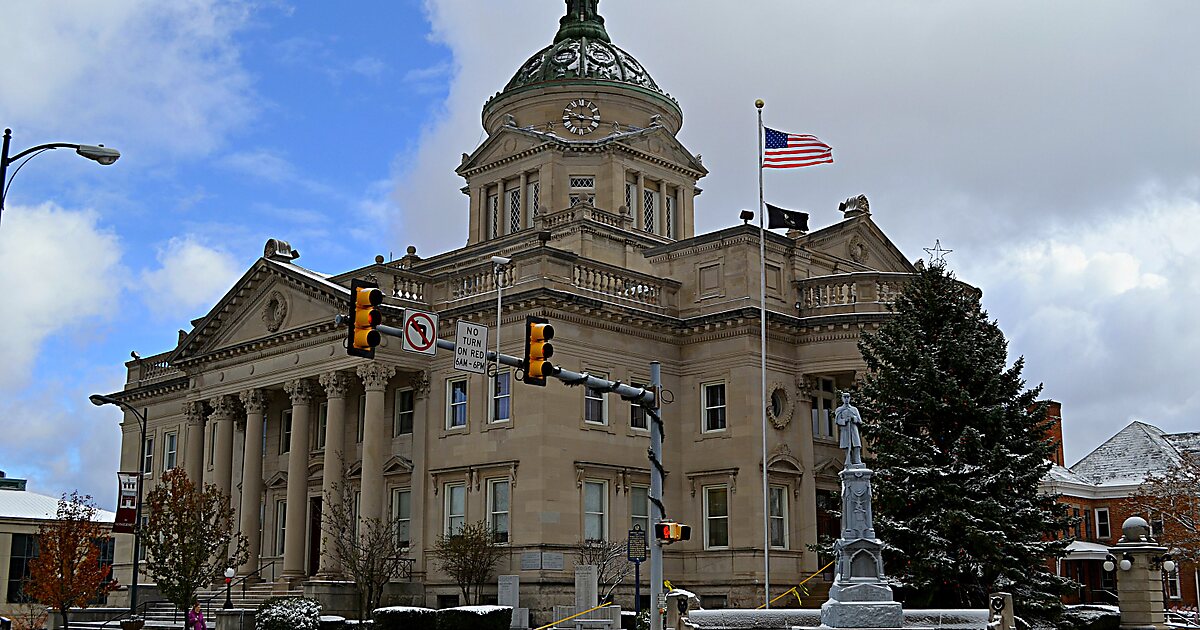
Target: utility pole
{"x":656,"y":488}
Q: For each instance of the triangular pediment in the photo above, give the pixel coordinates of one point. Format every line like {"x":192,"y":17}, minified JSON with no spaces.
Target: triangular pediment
{"x":855,"y":244}
{"x":269,"y":300}
{"x":507,"y":143}
{"x":657,"y":144}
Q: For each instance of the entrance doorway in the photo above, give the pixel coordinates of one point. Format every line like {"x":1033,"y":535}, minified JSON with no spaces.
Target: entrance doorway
{"x":314,"y":535}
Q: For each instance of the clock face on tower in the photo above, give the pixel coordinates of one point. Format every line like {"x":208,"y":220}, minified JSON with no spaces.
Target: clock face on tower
{"x":581,"y":117}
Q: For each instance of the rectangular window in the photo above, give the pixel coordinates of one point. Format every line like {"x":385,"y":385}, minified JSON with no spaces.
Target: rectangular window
{"x":595,"y":404}
{"x":402,"y":423}
{"x":630,"y":192}
{"x":456,"y":403}
{"x":714,"y":406}
{"x":778,"y":501}
{"x":170,"y":450}
{"x":583,"y":182}
{"x":455,"y":508}
{"x":582,"y":189}
{"x":494,"y":215}
{"x":24,"y":550}
{"x":498,"y":491}
{"x":285,"y":431}
{"x":649,"y":210}
{"x":148,"y":456}
{"x":1156,"y":524}
{"x":212,"y":444}
{"x":141,"y":550}
{"x":822,"y":408}
{"x":1076,"y":529}
{"x":669,"y":212}
{"x":639,"y":507}
{"x":362,"y":417}
{"x":280,"y":525}
{"x":716,"y":517}
{"x":1173,"y":591}
{"x":514,"y":210}
{"x":322,"y":425}
{"x":533,"y":192}
{"x":595,"y":510}
{"x":402,"y":515}
{"x":1103,"y":529}
{"x":637,"y":415}
{"x":502,"y":397}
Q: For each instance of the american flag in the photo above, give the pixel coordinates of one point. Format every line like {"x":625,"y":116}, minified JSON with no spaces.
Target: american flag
{"x":791,"y":150}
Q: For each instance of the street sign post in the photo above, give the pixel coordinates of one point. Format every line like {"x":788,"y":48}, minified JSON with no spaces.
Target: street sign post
{"x":470,"y":348}
{"x":420,"y":332}
{"x":635,"y":550}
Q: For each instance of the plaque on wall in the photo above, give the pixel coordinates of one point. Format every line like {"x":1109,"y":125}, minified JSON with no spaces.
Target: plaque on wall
{"x":552,"y":561}
{"x":531,"y":561}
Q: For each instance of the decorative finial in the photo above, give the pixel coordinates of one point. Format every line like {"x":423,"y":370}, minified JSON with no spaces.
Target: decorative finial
{"x":759,"y":103}
{"x":582,"y":20}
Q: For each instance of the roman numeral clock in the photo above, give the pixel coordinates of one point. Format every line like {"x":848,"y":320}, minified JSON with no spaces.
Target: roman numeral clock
{"x":581,"y":117}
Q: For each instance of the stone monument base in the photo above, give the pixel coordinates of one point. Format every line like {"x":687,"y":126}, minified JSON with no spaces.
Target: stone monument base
{"x":868,"y":605}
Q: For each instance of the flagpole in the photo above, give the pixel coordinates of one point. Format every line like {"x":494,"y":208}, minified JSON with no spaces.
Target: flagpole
{"x":762,"y":410}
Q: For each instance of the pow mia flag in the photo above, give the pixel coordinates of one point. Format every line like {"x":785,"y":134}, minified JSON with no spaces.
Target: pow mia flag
{"x":779,"y":218}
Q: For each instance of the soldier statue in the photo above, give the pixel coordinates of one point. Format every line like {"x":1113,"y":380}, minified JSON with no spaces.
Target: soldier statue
{"x":848,"y":418}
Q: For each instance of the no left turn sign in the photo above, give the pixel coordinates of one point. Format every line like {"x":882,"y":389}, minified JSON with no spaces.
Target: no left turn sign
{"x":420,"y":332}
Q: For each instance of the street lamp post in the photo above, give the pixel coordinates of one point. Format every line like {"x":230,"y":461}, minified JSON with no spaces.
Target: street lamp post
{"x":95,"y":152}
{"x":100,"y":400}
{"x":229,"y":573}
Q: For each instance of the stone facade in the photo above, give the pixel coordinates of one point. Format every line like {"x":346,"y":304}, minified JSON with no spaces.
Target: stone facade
{"x":261,"y":398}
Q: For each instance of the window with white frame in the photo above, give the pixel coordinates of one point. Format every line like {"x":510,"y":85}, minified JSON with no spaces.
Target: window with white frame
{"x":141,"y":552}
{"x":514,"y":210}
{"x":1103,"y":526}
{"x":498,"y":508}
{"x":148,"y":456}
{"x":533,"y":193}
{"x":637,"y":415}
{"x":595,"y":510}
{"x":170,"y":450}
{"x":362,"y":418}
{"x":778,"y":502}
{"x":402,"y":423}
{"x":595,"y":404}
{"x":1173,"y":590}
{"x":402,"y":515}
{"x":455,"y":508}
{"x":716,"y":517}
{"x":493,"y":202}
{"x":714,"y":406}
{"x":650,"y":200}
{"x":582,"y":188}
{"x":322,"y":425}
{"x":639,"y":507}
{"x":502,"y":396}
{"x":822,"y":408}
{"x":280,"y":525}
{"x":285,"y":431}
{"x":456,"y":403}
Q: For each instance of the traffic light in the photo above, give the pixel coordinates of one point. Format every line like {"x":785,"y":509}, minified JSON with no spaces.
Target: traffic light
{"x":538,"y":333}
{"x":364,"y":317}
{"x":670,"y":531}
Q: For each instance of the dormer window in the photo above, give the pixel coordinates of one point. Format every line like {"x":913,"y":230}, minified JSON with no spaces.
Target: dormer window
{"x":583,"y":188}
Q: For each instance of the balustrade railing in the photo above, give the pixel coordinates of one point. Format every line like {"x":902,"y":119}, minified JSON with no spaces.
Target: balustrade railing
{"x":850,"y":292}
{"x":621,"y":285}
{"x":478,"y":281}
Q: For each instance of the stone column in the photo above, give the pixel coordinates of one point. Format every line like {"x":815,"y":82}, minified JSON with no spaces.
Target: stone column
{"x":255,"y":402}
{"x":193,"y":459}
{"x":420,"y":454}
{"x":223,"y":409}
{"x":375,"y":377}
{"x":301,"y":392}
{"x":1139,"y":587}
{"x":336,"y":385}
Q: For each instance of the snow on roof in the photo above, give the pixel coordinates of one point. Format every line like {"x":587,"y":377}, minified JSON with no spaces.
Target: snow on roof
{"x":21,"y":504}
{"x":1185,"y":442}
{"x":1058,"y":473}
{"x":1127,"y":457}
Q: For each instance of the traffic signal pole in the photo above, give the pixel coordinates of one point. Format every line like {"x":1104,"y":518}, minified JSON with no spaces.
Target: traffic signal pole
{"x":656,"y":488}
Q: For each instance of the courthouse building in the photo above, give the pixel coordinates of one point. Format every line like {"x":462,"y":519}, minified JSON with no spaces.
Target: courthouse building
{"x":583,"y":184}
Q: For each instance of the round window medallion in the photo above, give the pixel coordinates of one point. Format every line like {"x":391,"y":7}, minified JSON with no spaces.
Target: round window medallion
{"x":779,"y":405}
{"x":857,"y":249}
{"x":275,"y":311}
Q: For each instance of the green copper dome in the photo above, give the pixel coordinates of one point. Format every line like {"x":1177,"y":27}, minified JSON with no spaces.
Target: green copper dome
{"x":582,"y":50}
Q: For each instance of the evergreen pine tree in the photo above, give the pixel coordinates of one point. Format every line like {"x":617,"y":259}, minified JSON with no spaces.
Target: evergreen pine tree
{"x":959,"y":446}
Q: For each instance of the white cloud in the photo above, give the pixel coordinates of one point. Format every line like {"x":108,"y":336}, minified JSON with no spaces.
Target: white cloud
{"x":58,"y":271}
{"x":191,"y":277}
{"x":160,"y":75}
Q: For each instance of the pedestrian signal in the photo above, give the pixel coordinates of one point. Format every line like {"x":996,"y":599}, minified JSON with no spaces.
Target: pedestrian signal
{"x":538,"y":350}
{"x":669,"y":531}
{"x":362,"y":337}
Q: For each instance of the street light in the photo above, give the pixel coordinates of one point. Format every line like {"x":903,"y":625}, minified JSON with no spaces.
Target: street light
{"x":229,"y":573}
{"x":95,"y":152}
{"x":100,"y":400}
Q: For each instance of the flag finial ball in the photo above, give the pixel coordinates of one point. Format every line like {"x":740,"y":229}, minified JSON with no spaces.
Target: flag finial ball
{"x":759,"y":103}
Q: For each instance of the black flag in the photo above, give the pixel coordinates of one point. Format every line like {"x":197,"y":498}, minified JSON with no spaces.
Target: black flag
{"x":779,"y":218}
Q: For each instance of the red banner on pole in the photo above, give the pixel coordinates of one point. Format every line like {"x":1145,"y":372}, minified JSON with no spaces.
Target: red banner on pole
{"x":127,"y":498}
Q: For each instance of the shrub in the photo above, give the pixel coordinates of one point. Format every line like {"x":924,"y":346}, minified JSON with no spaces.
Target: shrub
{"x":404,"y":618}
{"x":288,"y":613}
{"x":474,"y":618}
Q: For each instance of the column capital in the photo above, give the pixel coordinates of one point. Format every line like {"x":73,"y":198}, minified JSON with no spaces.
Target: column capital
{"x":254,"y":400}
{"x":336,"y":384}
{"x":420,"y":383}
{"x":223,"y":407}
{"x":300,"y":390}
{"x":193,"y":410}
{"x":375,"y":375}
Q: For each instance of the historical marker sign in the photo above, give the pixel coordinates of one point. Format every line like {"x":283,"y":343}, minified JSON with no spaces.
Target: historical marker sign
{"x":420,"y":332}
{"x":470,"y":353}
{"x":635,"y":545}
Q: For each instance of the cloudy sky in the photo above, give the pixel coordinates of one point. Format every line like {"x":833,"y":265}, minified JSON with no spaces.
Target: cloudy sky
{"x":1055,"y":147}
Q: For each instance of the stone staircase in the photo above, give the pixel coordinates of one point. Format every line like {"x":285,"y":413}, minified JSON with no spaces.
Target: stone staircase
{"x":165,"y":615}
